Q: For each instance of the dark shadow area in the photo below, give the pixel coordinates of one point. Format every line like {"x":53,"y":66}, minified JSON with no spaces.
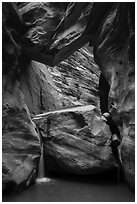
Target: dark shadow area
{"x":107,"y":177}
{"x":57,"y":187}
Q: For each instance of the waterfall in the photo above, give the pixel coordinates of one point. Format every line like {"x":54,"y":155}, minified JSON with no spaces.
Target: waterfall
{"x":41,"y":170}
{"x":41,"y":173}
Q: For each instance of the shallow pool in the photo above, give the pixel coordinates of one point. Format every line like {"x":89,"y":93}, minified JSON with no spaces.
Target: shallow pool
{"x":99,"y":188}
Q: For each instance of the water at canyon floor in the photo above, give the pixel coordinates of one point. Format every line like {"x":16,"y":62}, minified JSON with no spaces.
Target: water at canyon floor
{"x":99,"y":188}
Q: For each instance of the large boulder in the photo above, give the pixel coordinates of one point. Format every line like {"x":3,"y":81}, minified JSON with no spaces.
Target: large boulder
{"x":76,"y":141}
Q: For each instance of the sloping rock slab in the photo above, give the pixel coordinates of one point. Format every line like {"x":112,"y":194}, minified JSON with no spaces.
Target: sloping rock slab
{"x":76,"y":141}
{"x":39,"y":90}
{"x":21,"y":146}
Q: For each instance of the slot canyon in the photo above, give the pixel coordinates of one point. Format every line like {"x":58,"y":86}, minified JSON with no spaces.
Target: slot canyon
{"x":68,"y":101}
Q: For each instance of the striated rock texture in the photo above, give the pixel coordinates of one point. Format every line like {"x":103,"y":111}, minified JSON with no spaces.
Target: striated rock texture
{"x":49,"y":33}
{"x":40,"y":92}
{"x":73,"y":82}
{"x":52,"y":27}
{"x":29,"y":88}
{"x":20,"y":142}
{"x":114,"y":53}
{"x":76,"y":141}
{"x":109,"y":27}
{"x":77,"y":79}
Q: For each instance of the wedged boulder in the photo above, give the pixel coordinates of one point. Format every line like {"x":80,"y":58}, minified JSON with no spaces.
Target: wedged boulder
{"x":48,"y":21}
{"x":76,"y":140}
{"x":21,"y":146}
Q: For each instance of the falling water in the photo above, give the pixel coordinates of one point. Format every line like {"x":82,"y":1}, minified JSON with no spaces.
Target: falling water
{"x":64,"y":188}
{"x":100,"y":188}
{"x":41,"y":164}
{"x":41,"y":171}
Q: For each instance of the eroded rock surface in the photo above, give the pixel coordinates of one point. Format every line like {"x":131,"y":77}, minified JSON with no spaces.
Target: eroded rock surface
{"x":51,"y":32}
{"x":77,"y":78}
{"x":76,"y":141}
{"x":73,"y":82}
{"x":20,"y":143}
{"x":48,"y":21}
{"x":114,"y":53}
{"x":40,"y":92}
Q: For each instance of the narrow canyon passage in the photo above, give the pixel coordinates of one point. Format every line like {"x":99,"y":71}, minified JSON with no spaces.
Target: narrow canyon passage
{"x":68,"y":101}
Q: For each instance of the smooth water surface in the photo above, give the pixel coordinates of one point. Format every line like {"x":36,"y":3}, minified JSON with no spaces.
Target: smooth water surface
{"x":103,"y":188}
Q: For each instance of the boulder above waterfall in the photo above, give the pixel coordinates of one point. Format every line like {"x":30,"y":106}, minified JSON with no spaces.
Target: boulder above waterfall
{"x":76,"y":140}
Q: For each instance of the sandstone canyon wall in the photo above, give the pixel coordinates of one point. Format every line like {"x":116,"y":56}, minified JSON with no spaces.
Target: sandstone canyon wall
{"x":39,"y":75}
